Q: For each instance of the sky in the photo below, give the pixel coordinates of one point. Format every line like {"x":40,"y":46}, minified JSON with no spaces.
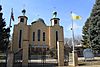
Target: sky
{"x":44,"y":8}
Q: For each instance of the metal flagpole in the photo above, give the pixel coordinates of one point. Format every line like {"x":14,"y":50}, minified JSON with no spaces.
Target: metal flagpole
{"x":8,"y":42}
{"x":10,"y":18}
{"x":73,"y":41}
{"x":10,"y":23}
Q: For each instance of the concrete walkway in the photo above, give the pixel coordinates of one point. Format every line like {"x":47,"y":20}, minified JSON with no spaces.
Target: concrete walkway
{"x":92,"y":63}
{"x":95,"y":62}
{"x":81,"y":66}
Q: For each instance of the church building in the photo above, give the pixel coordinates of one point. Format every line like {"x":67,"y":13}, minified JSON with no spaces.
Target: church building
{"x":38,"y":35}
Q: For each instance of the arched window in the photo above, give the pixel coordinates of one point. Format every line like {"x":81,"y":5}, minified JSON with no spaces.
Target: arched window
{"x":20,"y":38}
{"x":56,"y":35}
{"x":21,"y":19}
{"x":43,"y":36}
{"x":33,"y":36}
{"x":55,"y":21}
{"x":38,"y":34}
{"x":56,"y":38}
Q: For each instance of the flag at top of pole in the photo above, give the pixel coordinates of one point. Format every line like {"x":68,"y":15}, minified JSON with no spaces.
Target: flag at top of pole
{"x":75,"y":16}
{"x":11,"y":17}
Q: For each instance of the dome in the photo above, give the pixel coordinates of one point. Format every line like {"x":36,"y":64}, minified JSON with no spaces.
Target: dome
{"x":40,"y":19}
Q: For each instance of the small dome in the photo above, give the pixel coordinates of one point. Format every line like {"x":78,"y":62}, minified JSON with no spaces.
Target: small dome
{"x":54,"y":14}
{"x":24,"y":11}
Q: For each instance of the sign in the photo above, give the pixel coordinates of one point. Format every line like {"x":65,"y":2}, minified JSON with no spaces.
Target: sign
{"x":88,"y":53}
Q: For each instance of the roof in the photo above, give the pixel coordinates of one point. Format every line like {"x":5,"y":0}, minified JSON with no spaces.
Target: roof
{"x":22,"y":16}
{"x":39,"y":20}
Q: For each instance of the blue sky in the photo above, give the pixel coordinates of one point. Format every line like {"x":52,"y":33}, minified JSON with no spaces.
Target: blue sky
{"x":44,"y":8}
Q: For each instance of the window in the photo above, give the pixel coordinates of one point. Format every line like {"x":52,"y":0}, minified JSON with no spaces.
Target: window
{"x":33,"y":36}
{"x":56,"y":35}
{"x":38,"y":35}
{"x":20,"y":38}
{"x":56,"y":38}
{"x":55,"y":21}
{"x":22,"y":20}
{"x":43,"y":36}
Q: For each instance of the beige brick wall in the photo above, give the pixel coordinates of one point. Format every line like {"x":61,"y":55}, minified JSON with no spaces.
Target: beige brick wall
{"x":34,"y":28}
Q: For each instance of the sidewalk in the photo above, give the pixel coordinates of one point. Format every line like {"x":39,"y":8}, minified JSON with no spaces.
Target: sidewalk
{"x":81,"y":63}
{"x":81,"y":66}
{"x":89,"y":63}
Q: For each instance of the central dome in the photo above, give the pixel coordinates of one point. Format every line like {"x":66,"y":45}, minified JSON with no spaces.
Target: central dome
{"x":40,"y":20}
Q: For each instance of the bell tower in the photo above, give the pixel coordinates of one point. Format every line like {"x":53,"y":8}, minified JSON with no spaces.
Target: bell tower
{"x":23,"y":18}
{"x":54,"y":20}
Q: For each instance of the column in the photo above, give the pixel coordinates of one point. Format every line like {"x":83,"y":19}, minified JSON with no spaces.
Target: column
{"x":25,"y":53}
{"x":60,"y":51}
{"x":10,"y":59}
{"x":75,"y":59}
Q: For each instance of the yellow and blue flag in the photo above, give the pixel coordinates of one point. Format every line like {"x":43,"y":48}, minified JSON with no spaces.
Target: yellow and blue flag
{"x":75,"y":16}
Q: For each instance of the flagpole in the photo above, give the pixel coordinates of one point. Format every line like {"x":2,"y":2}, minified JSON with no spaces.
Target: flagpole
{"x":7,"y":62}
{"x":10,"y":17}
{"x":73,"y":52}
{"x":10,"y":23}
{"x":8,"y":40}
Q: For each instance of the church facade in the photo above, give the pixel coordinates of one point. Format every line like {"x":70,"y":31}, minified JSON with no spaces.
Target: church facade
{"x":38,"y":35}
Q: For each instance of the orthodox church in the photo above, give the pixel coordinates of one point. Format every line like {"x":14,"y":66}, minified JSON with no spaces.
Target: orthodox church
{"x":37,"y":36}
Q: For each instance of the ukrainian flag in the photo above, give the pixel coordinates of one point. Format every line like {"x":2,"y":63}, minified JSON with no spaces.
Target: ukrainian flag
{"x":75,"y":16}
